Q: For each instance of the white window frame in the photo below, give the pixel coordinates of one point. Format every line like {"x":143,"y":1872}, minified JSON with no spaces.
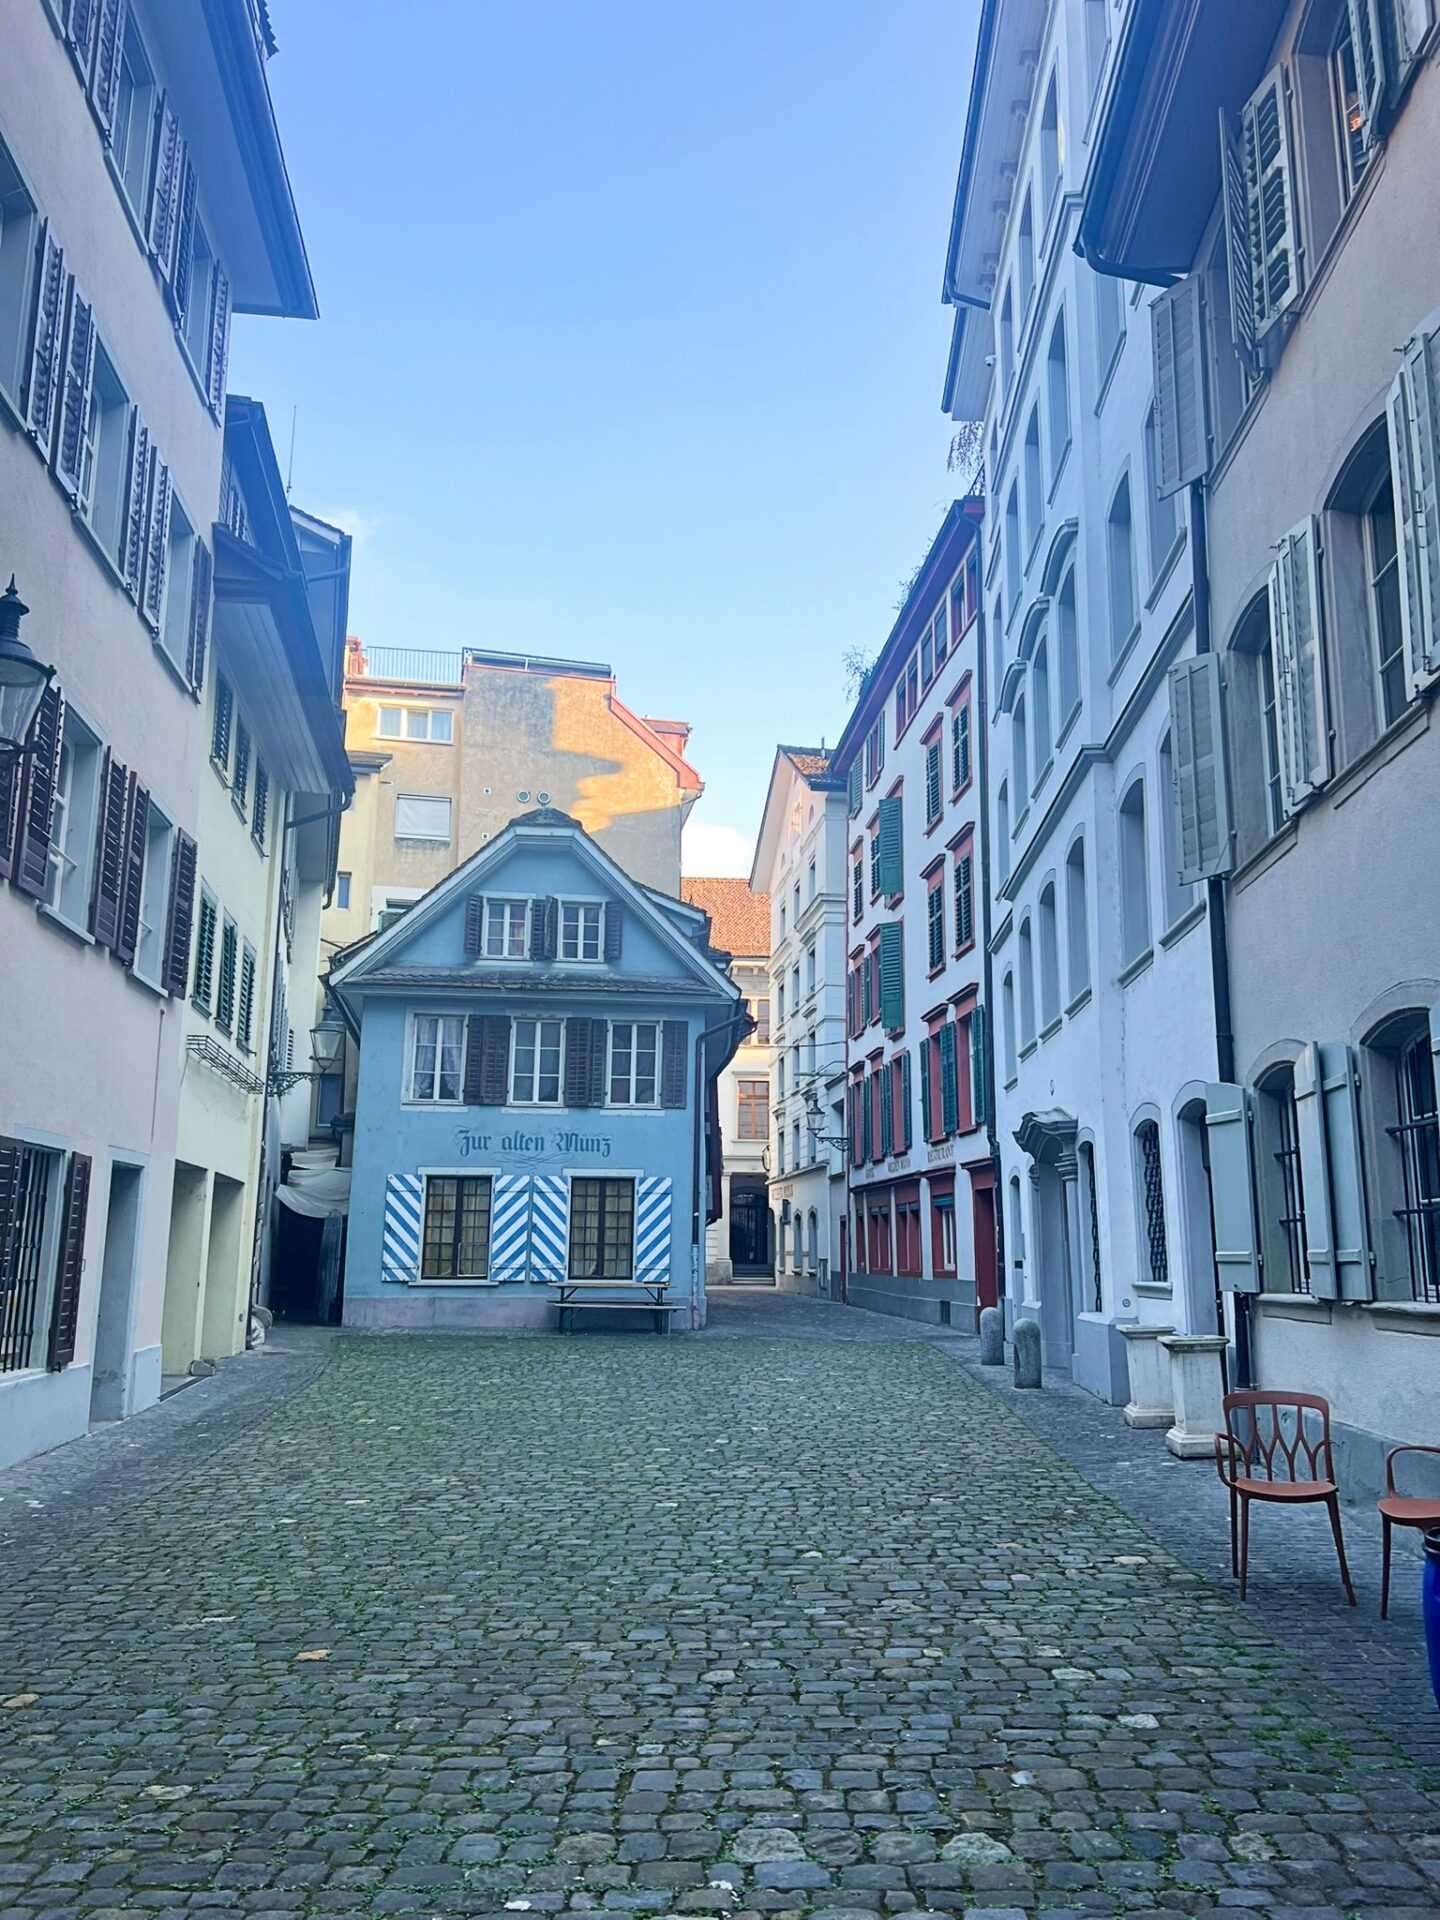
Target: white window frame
{"x":581,"y":909}
{"x":538,"y":1021}
{"x":414,"y":1096}
{"x":497,"y":915}
{"x":173,"y":639}
{"x":74,"y":823}
{"x":631,"y":1100}
{"x":147,"y":94}
{"x":19,"y":226}
{"x":155,"y":899}
{"x":406,"y":716}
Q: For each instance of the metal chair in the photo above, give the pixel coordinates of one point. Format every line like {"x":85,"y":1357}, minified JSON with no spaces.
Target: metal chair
{"x":1262,"y":1456}
{"x":1401,"y":1510}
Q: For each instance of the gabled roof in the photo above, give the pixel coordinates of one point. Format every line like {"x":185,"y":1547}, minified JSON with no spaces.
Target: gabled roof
{"x":814,"y":764}
{"x":739,"y":919}
{"x":382,"y":954}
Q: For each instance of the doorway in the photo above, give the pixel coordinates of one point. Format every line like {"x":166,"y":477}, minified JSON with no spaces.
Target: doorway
{"x":115,"y":1319}
{"x":749,"y":1226}
{"x":227,"y":1289}
{"x":982,"y":1218}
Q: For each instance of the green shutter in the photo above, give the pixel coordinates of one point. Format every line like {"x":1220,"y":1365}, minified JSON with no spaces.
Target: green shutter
{"x":949,"y":1088}
{"x":903,"y":1130}
{"x":866,"y":1129}
{"x":932,"y":781}
{"x":926,"y":1122}
{"x":887,"y":1112}
{"x":854,"y":788}
{"x":979,"y":1068}
{"x":964,"y":901}
{"x":892,"y":860}
{"x":892,"y":976}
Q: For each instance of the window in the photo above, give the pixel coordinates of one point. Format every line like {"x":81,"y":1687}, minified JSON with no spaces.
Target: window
{"x":33,"y":1230}
{"x":1057,"y":381}
{"x":1025,"y":253}
{"x":795,"y":899}
{"x":582,"y":929}
{"x":179,"y":585}
{"x":1007,"y":336}
{"x":1067,"y":649}
{"x":435,"y":724}
{"x":1085,"y":1155}
{"x":1154,"y":1254}
{"x":200,"y":297}
{"x":602,"y":1229}
{"x":1002,"y":834}
{"x":19,"y":226}
{"x":964,"y":900}
{"x":1134,"y":876}
{"x":960,"y":745}
{"x":73,"y":822}
{"x":1164,"y":515}
{"x":457,"y":1227}
{"x":104,"y":460}
{"x":1109,"y":324}
{"x":1382,"y":566}
{"x":225,"y":991}
{"x":809,"y":970}
{"x":1034,"y":484}
{"x":260,"y":805}
{"x":1178,"y":898}
{"x":874,"y":860}
{"x":133,"y":134}
{"x":1255,"y":717}
{"x":1077,"y":921}
{"x":154,"y":896}
{"x":1049,"y":958}
{"x":1040,"y":709}
{"x":1013,"y":568}
{"x":782,"y":921}
{"x":780,"y":1003}
{"x":1120,"y":569}
{"x":505,"y":929}
{"x":752,"y":1119}
{"x":935,"y":921}
{"x":1417,"y":1136}
{"x":1097,"y":40}
{"x":857,"y":885}
{"x":1007,"y":1010}
{"x":796,"y":1161}
{"x":422,"y":816}
{"x":1352,"y":145}
{"x":634,"y":1063}
{"x":795,"y":988}
{"x":1020,"y":753}
{"x":1282,"y":1192}
{"x":934,"y":798}
{"x":342,"y":891}
{"x":240,"y":769}
{"x":437,"y":1058}
{"x":1050,"y":150}
{"x":1027,"y":987}
{"x":810,"y":881}
{"x":536,"y":1059}
{"x":761,"y":1010}
{"x":874,"y":753}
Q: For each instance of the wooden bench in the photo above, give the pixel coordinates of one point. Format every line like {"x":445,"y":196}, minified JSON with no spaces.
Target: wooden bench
{"x":602,"y":1296}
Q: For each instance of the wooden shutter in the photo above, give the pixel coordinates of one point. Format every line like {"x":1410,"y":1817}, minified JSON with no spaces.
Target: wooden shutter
{"x":132,"y":890}
{"x":580,"y":1043}
{"x":927,"y":1117}
{"x":219,"y":342}
{"x":76,"y":384}
{"x":544,"y":928}
{"x":205,"y":954}
{"x":1406,"y":25}
{"x":487,"y":1060}
{"x":1301,"y":717}
{"x":949,"y":1082}
{"x":1340,"y":1094}
{"x":225,"y":991}
{"x":932,"y":781}
{"x":165,"y":189}
{"x":892,"y":976}
{"x":614,"y":929}
{"x":157,"y":539}
{"x":65,"y":1319}
{"x":9,"y":808}
{"x":1368,"y":46}
{"x":1200,"y":797}
{"x":1237,"y":244}
{"x":960,"y":745}
{"x":245,"y":1002}
{"x":260,"y":804}
{"x":1272,"y":222}
{"x":892,"y":853}
{"x":1312,"y":1140}
{"x":674,"y":1067}
{"x":979,"y":1067}
{"x":964,"y":900}
{"x":37,"y":795}
{"x":1181,"y":440}
{"x":903,"y":1129}
{"x":184,"y":242}
{"x":198,"y":639}
{"x":133,"y":550}
{"x":887,"y":1111}
{"x":474,"y":923}
{"x":82,"y":17}
{"x":183,"y":862}
{"x":853,"y":787}
{"x":1414,"y":423}
{"x":109,"y":853}
{"x":47,"y":325}
{"x":109,"y":44}
{"x":1232,"y":1189}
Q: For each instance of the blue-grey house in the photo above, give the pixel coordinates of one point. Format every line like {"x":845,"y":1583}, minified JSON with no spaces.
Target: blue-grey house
{"x":538,"y":1038}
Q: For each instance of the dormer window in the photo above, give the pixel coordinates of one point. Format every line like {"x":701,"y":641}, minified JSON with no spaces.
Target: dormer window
{"x":582,"y":930}
{"x":506,"y":934}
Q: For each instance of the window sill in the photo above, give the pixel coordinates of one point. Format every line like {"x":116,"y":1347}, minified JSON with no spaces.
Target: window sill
{"x":1275,"y":848}
{"x":1109,"y":374}
{"x":421,"y":840}
{"x":1137,"y":966}
{"x":1011,"y":1083}
{"x":1127,"y":647}
{"x":1066,"y":724}
{"x":1294,"y":1306}
{"x":1056,"y":472}
{"x":446,"y":1280}
{"x":97,"y":546}
{"x":1042,"y":777}
{"x":1413,"y":722}
{"x":1081,"y":999}
{"x":1048,"y":1032}
{"x":64,"y":924}
{"x":167,"y":660}
{"x":1179,"y":928}
{"x":960,"y":952}
{"x":1404,"y":1316}
{"x":1028,"y":1049}
{"x":143,"y":980}
{"x":1166,"y":568}
{"x":931,"y":825}
{"x":1021,"y":818}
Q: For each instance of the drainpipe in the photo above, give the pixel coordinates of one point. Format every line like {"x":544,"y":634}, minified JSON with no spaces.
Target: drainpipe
{"x":1215,"y":899}
{"x":987,"y":963}
{"x":734,"y":1029}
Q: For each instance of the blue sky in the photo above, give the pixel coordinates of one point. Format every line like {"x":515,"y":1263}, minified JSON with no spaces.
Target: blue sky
{"x":631,"y":345}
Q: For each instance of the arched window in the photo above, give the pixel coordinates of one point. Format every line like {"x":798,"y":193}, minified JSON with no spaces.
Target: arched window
{"x":1013,"y":556}
{"x":1007,"y":1011}
{"x":1090,"y":1226}
{"x":1025,"y":249}
{"x":1027,"y":987}
{"x":1002,"y":834}
{"x":814,"y":1226}
{"x":997,"y":628}
{"x":1067,"y":648}
{"x":1034,"y":484}
{"x":1120,"y":568}
{"x":1134,"y":876}
{"x":1057,"y":380}
{"x":1178,"y":898}
{"x":1077,"y":921}
{"x":1040,"y":708}
{"x":1150,"y":1194}
{"x":1019,"y":754}
{"x":1164,"y":514}
{"x":1279,"y":1184}
{"x":1049,"y":958}
{"x":1051,"y":150}
{"x":1007,"y":334}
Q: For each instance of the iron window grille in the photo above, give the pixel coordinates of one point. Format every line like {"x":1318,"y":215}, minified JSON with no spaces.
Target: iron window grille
{"x":1153,"y":1193}
{"x":20,"y":1302}
{"x":1417,"y":1135}
{"x":1088,"y":1155}
{"x":1292,"y":1194}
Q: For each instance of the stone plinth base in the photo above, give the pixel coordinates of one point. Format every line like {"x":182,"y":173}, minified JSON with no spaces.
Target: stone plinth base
{"x":1149,"y":1404}
{"x":1197,"y":1383}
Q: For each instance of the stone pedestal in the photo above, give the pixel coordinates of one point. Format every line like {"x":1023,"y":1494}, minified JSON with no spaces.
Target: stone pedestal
{"x":1196,"y":1385}
{"x":1150,"y":1404}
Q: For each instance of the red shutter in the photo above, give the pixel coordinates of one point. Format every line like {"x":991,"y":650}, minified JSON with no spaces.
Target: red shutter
{"x":77,"y":380}
{"x":493,"y":1088}
{"x":182,"y":914}
{"x":65,"y":1320}
{"x":47,"y":316}
{"x":474,"y":921}
{"x":199,"y":637}
{"x":109,"y":853}
{"x":133,"y":551}
{"x":673,"y":1064}
{"x":137,"y":819}
{"x":219,"y":342}
{"x":37,"y":795}
{"x":614,"y":929}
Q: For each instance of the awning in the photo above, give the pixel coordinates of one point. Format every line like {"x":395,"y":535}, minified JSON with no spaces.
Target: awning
{"x":316,"y":1192}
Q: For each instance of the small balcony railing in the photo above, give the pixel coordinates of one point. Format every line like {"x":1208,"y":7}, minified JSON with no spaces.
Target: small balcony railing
{"x":430,"y":667}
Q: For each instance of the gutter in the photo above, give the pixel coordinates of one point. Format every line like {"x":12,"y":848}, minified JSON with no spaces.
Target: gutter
{"x":981,"y":732}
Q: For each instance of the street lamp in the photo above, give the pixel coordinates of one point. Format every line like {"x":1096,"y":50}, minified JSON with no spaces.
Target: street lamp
{"x":327,"y":1045}
{"x":23,"y":679}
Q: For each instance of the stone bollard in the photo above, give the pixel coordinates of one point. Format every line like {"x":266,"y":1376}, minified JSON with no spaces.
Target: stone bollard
{"x":992,"y":1337}
{"x":1027,"y":1353}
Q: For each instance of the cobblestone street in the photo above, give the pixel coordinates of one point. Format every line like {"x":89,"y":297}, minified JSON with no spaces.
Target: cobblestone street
{"x":709,"y":1625}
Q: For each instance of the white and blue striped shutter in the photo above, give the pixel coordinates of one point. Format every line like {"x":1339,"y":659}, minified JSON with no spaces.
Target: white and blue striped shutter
{"x":652,"y":1227}
{"x":1312,"y":1139}
{"x":509,"y":1226}
{"x":1232,"y":1193}
{"x":549,"y":1227}
{"x":400,"y":1240}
